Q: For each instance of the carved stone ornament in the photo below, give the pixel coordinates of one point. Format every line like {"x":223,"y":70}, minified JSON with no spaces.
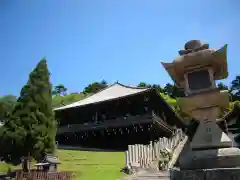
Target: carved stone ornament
{"x":193,"y":46}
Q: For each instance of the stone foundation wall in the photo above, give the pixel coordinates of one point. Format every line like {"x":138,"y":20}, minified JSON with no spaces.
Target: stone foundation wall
{"x":206,"y":174}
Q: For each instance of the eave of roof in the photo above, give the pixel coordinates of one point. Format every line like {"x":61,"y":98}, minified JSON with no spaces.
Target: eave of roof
{"x":112,"y":92}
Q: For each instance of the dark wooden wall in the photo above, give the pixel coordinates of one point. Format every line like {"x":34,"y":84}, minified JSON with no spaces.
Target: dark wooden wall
{"x":133,"y":105}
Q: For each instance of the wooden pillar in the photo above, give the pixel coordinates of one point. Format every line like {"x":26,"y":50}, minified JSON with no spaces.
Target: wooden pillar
{"x":26,"y":163}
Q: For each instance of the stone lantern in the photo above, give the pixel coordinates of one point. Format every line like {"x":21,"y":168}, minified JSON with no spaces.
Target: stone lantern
{"x":196,"y":70}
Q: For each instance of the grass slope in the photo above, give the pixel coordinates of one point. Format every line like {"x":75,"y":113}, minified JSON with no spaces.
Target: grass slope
{"x":88,"y":165}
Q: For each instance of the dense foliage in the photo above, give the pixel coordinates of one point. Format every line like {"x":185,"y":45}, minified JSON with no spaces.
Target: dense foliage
{"x":60,"y":96}
{"x":30,"y":128}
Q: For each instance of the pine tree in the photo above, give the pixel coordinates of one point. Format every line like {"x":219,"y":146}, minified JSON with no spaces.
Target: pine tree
{"x":31,"y":128}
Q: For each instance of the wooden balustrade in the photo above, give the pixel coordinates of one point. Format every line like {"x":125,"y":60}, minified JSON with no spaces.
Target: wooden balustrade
{"x":39,"y":175}
{"x":107,"y":123}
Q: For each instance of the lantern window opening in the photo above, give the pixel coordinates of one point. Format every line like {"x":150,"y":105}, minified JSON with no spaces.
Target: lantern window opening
{"x":195,"y":78}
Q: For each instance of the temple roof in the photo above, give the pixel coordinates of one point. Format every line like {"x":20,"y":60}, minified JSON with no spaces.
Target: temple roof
{"x":112,"y":92}
{"x":51,"y":159}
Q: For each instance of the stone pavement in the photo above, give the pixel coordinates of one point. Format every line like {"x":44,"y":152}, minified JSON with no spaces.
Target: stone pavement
{"x":146,"y":175}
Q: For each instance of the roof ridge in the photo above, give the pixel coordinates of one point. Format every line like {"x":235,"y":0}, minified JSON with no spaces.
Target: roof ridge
{"x":132,"y":87}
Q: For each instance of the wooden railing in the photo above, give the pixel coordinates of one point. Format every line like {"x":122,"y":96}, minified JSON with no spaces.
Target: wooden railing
{"x":39,"y":175}
{"x":142,"y":156}
{"x":147,"y":118}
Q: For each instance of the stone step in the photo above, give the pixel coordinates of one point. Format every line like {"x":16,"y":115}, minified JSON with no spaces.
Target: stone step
{"x":150,"y":176}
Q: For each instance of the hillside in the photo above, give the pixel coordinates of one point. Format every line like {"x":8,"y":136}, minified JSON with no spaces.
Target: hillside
{"x":59,"y":100}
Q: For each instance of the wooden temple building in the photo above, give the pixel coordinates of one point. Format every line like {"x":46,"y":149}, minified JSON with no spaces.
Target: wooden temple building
{"x":115,"y":117}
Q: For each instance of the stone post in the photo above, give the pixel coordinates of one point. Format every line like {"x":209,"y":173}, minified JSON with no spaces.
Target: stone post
{"x":137,"y":153}
{"x":130,"y":154}
{"x":155,"y":149}
{"x":145,"y":155}
{"x":151,"y":150}
{"x":127,"y":160}
{"x":134,"y":153}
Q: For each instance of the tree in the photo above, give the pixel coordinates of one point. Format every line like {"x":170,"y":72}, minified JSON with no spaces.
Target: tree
{"x":9,"y":100}
{"x":222,"y":86}
{"x":31,"y":128}
{"x":158,"y":88}
{"x":143,"y":84}
{"x":173,"y":91}
{"x":59,"y":90}
{"x":235,"y":88}
{"x":7,"y":104}
{"x":95,"y":87}
{"x":4,"y":112}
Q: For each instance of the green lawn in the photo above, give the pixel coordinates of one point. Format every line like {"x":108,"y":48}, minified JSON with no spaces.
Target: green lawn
{"x":88,"y":165}
{"x":4,"y":167}
{"x":92,"y":165}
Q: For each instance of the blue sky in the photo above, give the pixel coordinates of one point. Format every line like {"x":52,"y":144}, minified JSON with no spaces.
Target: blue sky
{"x":124,"y":40}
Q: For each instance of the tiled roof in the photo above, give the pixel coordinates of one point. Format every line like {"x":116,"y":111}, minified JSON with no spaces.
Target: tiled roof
{"x":51,"y":159}
{"x":112,"y":92}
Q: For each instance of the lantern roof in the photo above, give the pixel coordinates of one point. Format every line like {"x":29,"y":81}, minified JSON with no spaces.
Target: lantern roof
{"x":197,"y":55}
